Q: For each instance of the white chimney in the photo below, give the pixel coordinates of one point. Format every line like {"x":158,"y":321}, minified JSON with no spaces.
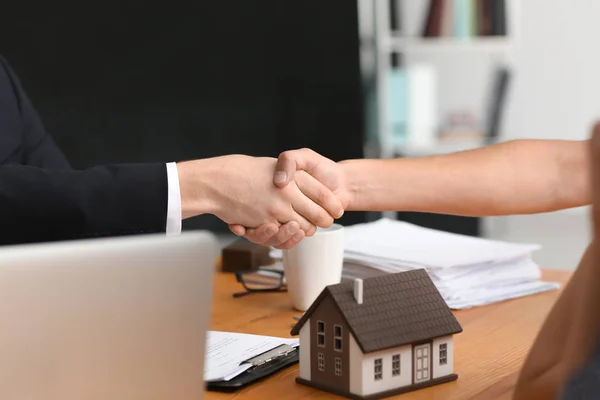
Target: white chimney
{"x":358,"y":290}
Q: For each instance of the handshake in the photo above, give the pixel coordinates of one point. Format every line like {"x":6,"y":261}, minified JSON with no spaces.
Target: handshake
{"x":272,"y":202}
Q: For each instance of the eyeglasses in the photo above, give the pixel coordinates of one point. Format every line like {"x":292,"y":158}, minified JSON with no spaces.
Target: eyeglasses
{"x":263,"y":281}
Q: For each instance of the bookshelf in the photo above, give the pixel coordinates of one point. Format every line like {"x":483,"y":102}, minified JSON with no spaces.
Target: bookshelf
{"x":387,"y":44}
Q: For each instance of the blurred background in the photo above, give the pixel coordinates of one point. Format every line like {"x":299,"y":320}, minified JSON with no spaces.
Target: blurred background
{"x":132,"y":81}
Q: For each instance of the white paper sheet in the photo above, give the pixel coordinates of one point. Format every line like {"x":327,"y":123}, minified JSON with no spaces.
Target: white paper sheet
{"x":226,"y":351}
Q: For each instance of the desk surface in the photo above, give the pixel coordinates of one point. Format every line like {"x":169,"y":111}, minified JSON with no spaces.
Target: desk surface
{"x":489,"y":351}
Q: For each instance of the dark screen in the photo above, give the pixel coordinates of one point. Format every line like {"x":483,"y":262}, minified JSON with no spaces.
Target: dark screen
{"x":133,"y":81}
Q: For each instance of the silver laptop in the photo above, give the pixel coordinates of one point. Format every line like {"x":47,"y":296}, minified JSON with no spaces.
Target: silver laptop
{"x":106,"y":319}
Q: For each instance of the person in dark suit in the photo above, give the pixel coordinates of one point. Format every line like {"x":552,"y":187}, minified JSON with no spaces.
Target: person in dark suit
{"x":43,"y":199}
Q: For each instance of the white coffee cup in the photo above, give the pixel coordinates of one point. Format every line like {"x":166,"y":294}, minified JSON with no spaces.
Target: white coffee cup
{"x":314,"y":263}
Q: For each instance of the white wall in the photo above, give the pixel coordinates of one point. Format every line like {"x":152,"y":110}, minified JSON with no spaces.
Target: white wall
{"x":556,"y":66}
{"x":554,"y":96}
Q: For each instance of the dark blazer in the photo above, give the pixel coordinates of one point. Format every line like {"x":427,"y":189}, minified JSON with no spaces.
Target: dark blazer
{"x":43,"y":199}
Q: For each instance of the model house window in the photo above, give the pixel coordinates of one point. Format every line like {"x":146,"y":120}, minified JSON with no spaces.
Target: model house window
{"x":338,"y":366}
{"x":337,"y":337}
{"x":378,"y":369}
{"x":321,"y":361}
{"x":396,"y":365}
{"x":443,"y":354}
{"x":321,"y":333}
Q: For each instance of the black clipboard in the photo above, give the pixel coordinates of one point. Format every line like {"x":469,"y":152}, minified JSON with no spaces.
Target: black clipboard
{"x":263,"y":365}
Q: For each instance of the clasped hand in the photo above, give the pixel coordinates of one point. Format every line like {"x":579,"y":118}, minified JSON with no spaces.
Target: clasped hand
{"x":306,"y":191}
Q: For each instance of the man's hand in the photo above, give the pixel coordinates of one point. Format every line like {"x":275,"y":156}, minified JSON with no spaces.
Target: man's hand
{"x":239,"y":190}
{"x":326,"y":171}
{"x":290,"y":166}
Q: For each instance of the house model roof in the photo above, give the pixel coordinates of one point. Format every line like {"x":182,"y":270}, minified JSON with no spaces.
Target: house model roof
{"x":397,"y":309}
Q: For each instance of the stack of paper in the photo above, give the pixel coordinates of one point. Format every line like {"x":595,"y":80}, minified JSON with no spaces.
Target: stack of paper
{"x":468,"y":271}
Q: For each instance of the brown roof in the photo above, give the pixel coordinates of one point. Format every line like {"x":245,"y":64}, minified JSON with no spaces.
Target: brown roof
{"x":397,"y":309}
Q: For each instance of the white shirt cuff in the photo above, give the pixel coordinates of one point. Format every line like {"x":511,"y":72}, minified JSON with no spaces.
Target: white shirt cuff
{"x":174,"y":201}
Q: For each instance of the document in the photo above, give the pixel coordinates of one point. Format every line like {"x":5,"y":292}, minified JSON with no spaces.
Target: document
{"x":468,"y":271}
{"x":404,"y":243}
{"x":227,"y":352}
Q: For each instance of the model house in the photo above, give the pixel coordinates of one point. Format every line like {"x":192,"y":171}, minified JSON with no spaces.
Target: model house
{"x":378,"y":337}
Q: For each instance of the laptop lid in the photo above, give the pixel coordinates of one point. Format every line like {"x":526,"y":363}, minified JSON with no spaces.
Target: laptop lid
{"x":119,"y":318}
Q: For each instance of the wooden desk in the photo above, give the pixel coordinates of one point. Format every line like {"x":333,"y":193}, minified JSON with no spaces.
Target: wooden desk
{"x":489,"y":351}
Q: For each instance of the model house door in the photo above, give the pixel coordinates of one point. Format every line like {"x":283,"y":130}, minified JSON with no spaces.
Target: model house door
{"x":422,"y":362}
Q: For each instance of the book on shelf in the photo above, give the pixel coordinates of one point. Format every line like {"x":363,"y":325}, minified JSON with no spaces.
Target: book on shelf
{"x":433,"y":25}
{"x":448,"y":23}
{"x":497,"y":101}
{"x":397,"y":102}
{"x":411,"y":16}
{"x":464,"y":18}
{"x":498,"y":17}
{"x":411,"y":104}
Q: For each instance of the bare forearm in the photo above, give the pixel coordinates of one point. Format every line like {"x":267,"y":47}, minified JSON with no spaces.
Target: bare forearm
{"x":516,"y":177}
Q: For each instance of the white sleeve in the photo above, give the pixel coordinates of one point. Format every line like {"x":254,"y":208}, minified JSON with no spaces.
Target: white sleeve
{"x":174,"y":201}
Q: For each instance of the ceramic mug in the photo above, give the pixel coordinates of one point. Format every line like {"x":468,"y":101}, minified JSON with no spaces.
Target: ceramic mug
{"x":314,"y":263}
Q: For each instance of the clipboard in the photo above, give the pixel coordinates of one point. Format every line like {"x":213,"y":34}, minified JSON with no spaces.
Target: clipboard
{"x":263,"y":365}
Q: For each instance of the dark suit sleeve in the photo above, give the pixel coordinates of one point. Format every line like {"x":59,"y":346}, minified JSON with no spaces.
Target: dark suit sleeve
{"x":38,"y":147}
{"x":38,"y":205}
